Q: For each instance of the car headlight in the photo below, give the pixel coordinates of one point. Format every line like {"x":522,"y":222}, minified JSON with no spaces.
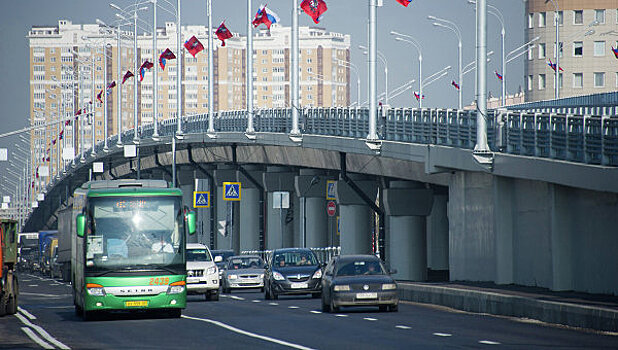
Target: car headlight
{"x":96,"y":290}
{"x":318,"y":274}
{"x":389,"y":286}
{"x":176,"y":287}
{"x":211,"y":270}
{"x":342,"y":288}
{"x":277,"y":276}
{"x":232,"y":277}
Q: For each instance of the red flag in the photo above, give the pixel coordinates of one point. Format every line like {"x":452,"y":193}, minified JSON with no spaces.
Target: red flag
{"x":166,"y":55}
{"x":143,"y":67}
{"x":67,"y":122}
{"x":99,"y":96}
{"x":111,"y":85}
{"x":61,"y":135}
{"x":127,"y":75}
{"x":455,"y":84}
{"x":53,"y":142}
{"x":405,"y":2}
{"x":314,"y":8}
{"x":265,"y":16}
{"x":79,"y":111}
{"x":223,"y":33}
{"x":194,"y":46}
{"x":615,"y":51}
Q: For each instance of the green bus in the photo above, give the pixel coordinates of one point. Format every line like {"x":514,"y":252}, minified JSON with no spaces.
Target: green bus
{"x":128,"y":251}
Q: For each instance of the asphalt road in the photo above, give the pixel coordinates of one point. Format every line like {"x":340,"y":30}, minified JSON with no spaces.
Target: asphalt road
{"x":244,"y":320}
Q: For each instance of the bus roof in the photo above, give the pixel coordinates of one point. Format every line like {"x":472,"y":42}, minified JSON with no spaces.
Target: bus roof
{"x":134,"y":192}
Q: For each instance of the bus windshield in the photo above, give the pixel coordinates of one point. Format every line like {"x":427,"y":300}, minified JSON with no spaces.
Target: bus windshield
{"x":134,"y":232}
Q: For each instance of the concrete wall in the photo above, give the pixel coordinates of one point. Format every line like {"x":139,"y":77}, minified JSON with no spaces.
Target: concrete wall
{"x":532,"y":233}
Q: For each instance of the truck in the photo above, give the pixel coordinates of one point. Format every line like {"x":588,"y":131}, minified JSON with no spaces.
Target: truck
{"x":47,"y":240}
{"x":27,"y":245}
{"x":9,"y":286}
{"x":129,"y":247}
{"x":66,"y":222}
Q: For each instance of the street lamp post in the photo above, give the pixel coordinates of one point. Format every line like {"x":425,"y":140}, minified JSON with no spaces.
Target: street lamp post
{"x":385,"y":62}
{"x":249,"y":55}
{"x":413,"y":42}
{"x":314,"y":181}
{"x":155,"y":81}
{"x":211,"y":72}
{"x":355,"y":70}
{"x":179,"y":133}
{"x":295,"y":130}
{"x":440,"y":22}
{"x":557,"y":50}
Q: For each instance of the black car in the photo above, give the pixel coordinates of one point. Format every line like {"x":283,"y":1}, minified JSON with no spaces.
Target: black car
{"x":358,"y":280}
{"x":292,"y":271}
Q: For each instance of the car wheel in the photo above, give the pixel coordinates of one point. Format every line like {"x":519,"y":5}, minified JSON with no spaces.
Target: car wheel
{"x":174,"y":313}
{"x":214,"y":296}
{"x":393,"y":308}
{"x":382,"y":307}
{"x":316,"y":295}
{"x":334,"y":308}
{"x":325,"y":305}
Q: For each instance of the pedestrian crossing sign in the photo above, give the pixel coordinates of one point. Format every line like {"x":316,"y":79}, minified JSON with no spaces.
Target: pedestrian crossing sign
{"x":231,"y":191}
{"x":330,"y":190}
{"x":201,"y":199}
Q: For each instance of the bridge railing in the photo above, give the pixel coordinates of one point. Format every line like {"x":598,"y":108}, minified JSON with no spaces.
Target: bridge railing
{"x":585,"y":139}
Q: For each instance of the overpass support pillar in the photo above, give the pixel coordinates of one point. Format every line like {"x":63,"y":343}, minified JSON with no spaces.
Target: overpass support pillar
{"x":407,"y":206}
{"x":228,"y":233}
{"x":250,"y":209}
{"x":437,"y":234}
{"x":356,"y":218}
{"x":281,"y":228}
{"x":310,"y":188}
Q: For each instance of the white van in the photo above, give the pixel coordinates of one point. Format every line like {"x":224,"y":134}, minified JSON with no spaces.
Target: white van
{"x":202,"y":273}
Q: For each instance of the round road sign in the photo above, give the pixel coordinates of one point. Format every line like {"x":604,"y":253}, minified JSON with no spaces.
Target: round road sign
{"x":331,"y":208}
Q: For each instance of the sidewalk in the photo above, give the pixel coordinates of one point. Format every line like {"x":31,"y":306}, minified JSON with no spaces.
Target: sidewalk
{"x":599,"y":312}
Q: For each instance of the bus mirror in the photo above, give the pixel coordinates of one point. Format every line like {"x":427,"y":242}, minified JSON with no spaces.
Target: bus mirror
{"x":80,"y":224}
{"x":191,"y":222}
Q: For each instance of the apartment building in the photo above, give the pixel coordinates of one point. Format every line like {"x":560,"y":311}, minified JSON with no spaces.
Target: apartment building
{"x":63,"y":58}
{"x":588,"y":31}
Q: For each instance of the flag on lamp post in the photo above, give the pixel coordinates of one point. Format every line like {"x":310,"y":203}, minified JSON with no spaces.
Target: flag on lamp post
{"x":166,"y":55}
{"x":405,"y":2}
{"x":143,"y":67}
{"x":265,"y":16}
{"x":126,"y":76}
{"x":455,"y":84}
{"x":498,"y":75}
{"x":223,"y":33}
{"x":314,"y":8}
{"x":194,"y":46}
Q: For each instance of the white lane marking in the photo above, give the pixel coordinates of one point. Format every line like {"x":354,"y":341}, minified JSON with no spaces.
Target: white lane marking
{"x":488,"y":342}
{"x":442,"y":334}
{"x":403,"y":327}
{"x":249,"y":334}
{"x":42,"y":332}
{"x":25,"y":312}
{"x":36,"y":339}
{"x":292,"y":307}
{"x":236,"y":298}
{"x":256,"y":301}
{"x":370,"y":319}
{"x":273,"y":304}
{"x":315,"y":312}
{"x":341,"y":315}
{"x":25,"y":280}
{"x":33,"y":285}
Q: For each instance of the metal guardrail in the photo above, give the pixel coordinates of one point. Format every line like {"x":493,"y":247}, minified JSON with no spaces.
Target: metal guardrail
{"x":323,"y":254}
{"x":584,"y":139}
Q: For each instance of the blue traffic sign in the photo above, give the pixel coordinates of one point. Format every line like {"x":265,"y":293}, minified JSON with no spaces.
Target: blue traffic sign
{"x":201,"y":199}
{"x":330,"y":190}
{"x":231,"y":191}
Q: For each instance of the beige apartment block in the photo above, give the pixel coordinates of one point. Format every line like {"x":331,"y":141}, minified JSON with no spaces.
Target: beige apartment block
{"x":63,"y":57}
{"x":588,"y":31}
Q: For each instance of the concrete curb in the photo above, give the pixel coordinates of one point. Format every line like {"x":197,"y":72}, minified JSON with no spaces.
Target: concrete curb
{"x":575,"y":315}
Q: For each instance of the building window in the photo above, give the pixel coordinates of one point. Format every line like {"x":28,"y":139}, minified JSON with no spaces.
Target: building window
{"x":599,"y":79}
{"x":599,"y":48}
{"x":530,"y":53}
{"x":542,"y":19}
{"x":578,"y":80}
{"x":530,"y":82}
{"x":541,"y":50}
{"x":530,"y":20}
{"x":560,"y":18}
{"x":542,"y":81}
{"x":599,"y":16}
{"x":578,"y":49}
{"x":578,"y":17}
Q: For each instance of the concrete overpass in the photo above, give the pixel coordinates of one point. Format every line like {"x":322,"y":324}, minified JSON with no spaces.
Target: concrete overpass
{"x":540,"y":211}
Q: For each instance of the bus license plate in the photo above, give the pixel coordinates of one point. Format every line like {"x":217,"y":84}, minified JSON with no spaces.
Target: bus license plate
{"x":299,"y":285}
{"x":134,"y":303}
{"x":366,"y":295}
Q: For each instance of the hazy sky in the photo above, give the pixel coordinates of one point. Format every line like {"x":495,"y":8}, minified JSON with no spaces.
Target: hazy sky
{"x":344,"y":16}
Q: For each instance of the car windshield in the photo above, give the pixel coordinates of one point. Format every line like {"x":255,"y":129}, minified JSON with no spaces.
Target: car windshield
{"x":134,"y":231}
{"x":303,"y":258}
{"x":237,"y":263}
{"x":359,"y":267}
{"x":198,"y":255}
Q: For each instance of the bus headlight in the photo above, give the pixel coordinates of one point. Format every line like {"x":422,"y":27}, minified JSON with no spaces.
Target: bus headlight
{"x":176,"y":287}
{"x":95,"y":290}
